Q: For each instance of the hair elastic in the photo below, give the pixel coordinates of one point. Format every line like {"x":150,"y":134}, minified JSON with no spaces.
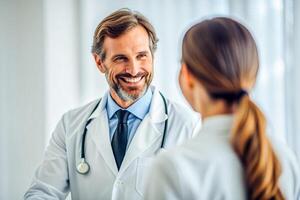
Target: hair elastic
{"x":229,"y":96}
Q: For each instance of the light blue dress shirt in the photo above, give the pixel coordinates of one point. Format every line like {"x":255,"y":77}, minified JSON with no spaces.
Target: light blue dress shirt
{"x":138,"y":111}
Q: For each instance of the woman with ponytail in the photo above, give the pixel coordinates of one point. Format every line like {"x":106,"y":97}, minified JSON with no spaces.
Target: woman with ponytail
{"x":231,"y":157}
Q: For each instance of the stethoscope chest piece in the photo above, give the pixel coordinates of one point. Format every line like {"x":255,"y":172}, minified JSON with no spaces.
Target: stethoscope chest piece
{"x":83,"y":167}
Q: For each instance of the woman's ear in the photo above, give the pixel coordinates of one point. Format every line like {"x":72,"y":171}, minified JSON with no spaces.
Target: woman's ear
{"x":186,"y":74}
{"x":99,"y":63}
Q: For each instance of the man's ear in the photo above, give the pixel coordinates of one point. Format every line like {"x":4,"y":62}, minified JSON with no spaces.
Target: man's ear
{"x":99,"y":63}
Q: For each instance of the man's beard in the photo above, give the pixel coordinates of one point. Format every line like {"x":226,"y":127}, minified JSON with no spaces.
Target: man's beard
{"x":123,"y":94}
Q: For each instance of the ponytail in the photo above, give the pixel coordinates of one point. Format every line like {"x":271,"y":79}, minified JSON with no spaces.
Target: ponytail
{"x":249,"y":140}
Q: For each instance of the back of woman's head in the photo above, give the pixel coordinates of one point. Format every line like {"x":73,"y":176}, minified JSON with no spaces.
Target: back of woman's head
{"x":222,"y":55}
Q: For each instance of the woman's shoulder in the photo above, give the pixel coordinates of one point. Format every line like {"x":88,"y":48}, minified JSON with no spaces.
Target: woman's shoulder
{"x":199,"y":153}
{"x":191,"y":167}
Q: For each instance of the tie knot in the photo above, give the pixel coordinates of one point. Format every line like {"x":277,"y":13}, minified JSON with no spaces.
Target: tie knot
{"x":122,"y":116}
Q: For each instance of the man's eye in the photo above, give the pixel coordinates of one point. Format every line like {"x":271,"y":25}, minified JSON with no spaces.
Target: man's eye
{"x":142,"y":56}
{"x":119,"y":59}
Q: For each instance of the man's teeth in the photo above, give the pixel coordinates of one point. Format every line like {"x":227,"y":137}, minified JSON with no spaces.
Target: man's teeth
{"x":132,"y":80}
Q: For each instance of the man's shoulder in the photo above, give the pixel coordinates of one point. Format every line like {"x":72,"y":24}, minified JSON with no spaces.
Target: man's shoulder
{"x":181,"y":114}
{"x":180,"y":110}
{"x":81,"y":111}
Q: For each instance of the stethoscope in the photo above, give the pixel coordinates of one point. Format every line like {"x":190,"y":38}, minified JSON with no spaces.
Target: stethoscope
{"x":83,"y":167}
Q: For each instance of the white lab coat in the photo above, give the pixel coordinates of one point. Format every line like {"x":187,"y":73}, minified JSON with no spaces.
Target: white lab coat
{"x":207,"y":168}
{"x":57,"y":174}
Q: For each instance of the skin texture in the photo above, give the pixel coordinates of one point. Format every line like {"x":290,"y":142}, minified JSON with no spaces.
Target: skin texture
{"x":128,"y":65}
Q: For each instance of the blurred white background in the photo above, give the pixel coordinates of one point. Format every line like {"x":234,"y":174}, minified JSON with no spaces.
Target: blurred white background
{"x":47,"y":69}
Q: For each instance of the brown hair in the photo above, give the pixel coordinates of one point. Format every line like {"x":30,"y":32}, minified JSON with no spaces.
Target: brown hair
{"x":118,"y":23}
{"x":223,"y":56}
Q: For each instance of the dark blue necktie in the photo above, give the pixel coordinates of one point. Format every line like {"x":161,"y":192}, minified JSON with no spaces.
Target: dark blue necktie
{"x":119,"y":140}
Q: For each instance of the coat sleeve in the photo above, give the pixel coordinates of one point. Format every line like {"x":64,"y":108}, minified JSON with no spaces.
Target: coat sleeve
{"x":163,"y":181}
{"x":51,"y":177}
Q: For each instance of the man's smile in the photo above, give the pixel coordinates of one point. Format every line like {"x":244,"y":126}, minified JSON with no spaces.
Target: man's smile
{"x":131,"y":81}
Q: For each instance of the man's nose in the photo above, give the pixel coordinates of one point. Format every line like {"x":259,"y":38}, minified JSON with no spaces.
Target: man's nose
{"x":133,"y":68}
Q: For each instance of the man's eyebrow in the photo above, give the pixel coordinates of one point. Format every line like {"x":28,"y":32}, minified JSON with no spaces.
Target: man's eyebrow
{"x":117,"y":55}
{"x":143,"y":52}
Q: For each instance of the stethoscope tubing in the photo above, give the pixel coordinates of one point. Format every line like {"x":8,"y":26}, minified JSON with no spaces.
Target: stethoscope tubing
{"x":83,"y":166}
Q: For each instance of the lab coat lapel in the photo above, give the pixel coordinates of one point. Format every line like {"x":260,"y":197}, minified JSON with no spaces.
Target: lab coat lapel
{"x":148,"y":133}
{"x":99,"y":131}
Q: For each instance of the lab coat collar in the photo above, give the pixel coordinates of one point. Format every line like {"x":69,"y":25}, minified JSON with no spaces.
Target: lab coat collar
{"x":217,"y":123}
{"x":100,"y":107}
{"x":99,"y":131}
{"x":157,"y":108}
{"x":149,"y":132}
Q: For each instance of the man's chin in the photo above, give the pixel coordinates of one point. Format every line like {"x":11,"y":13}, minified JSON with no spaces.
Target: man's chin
{"x":132,"y":94}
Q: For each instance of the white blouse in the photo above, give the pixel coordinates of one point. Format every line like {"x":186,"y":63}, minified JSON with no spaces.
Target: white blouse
{"x":207,"y":168}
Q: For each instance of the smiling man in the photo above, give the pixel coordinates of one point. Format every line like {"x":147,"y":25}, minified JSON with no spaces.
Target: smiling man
{"x":103,"y":149}
{"x":126,"y":60}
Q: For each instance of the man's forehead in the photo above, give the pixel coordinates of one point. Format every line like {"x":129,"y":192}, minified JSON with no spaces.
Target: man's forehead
{"x":135,"y":39}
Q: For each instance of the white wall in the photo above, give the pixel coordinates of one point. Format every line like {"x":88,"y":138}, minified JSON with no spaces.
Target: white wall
{"x":39,"y":77}
{"x":292,"y":72}
{"x":22,"y":94}
{"x":62,"y":60}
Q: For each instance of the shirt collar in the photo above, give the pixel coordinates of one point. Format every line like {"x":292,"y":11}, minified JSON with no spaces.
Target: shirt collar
{"x":139,"y":109}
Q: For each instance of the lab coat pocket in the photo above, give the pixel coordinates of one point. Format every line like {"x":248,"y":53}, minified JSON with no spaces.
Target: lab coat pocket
{"x":143,"y":166}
